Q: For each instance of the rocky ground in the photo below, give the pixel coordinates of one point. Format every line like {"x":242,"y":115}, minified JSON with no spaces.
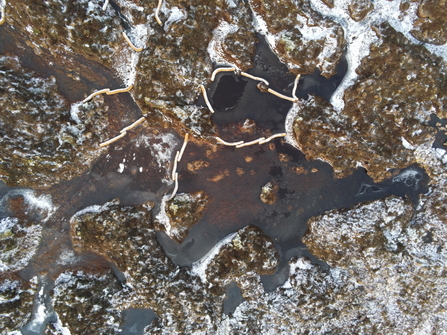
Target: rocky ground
{"x":84,"y":226}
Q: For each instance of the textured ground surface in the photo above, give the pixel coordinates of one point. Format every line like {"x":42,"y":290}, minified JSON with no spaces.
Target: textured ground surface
{"x":340,"y":227}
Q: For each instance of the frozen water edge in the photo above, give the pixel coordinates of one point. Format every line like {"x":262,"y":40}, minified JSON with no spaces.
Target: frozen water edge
{"x":215,"y":45}
{"x":199,"y":267}
{"x":292,"y":114}
{"x":42,"y":202}
{"x":41,"y":311}
{"x":162,"y":217}
{"x":359,"y":35}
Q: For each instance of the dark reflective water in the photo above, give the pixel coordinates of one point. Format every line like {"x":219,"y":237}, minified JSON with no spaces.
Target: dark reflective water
{"x":441,"y":135}
{"x":233,"y":298}
{"x":135,"y":320}
{"x":306,"y":188}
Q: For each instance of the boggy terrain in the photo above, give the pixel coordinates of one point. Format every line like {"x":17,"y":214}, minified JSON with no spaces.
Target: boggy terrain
{"x":336,"y":224}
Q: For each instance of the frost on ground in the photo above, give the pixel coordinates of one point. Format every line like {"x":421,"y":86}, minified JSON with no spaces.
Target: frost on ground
{"x":81,"y":27}
{"x":16,"y":302}
{"x":399,"y":85}
{"x":387,"y":272}
{"x":83,"y":303}
{"x":21,"y":232}
{"x":301,"y":38}
{"x":181,"y":213}
{"x":387,"y":258}
{"x":179,"y":57}
{"x":44,"y":140}
{"x":18,"y":243}
{"x":184,"y":301}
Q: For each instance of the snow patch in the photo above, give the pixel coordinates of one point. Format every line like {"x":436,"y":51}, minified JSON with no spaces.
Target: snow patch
{"x":17,"y":257}
{"x":74,"y":112}
{"x":60,"y":328}
{"x":406,"y":144}
{"x":162,"y":147}
{"x":127,"y":60}
{"x":162,"y":217}
{"x":409,"y":177}
{"x":292,"y":114}
{"x":40,"y":313}
{"x":6,"y":224}
{"x":215,"y":49}
{"x":67,"y":257}
{"x":90,"y":209}
{"x":175,"y":15}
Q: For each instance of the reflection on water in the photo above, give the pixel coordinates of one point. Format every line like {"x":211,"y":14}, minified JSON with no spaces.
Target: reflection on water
{"x":233,"y":298}
{"x":232,"y":178}
{"x":135,"y":320}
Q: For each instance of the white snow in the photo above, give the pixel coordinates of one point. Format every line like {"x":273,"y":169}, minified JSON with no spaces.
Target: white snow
{"x":406,"y":144}
{"x":18,"y":257}
{"x":408,"y":175}
{"x":74,"y":112}
{"x":261,"y":27}
{"x":40,"y":313}
{"x":175,"y":15}
{"x":41,"y":202}
{"x":66,"y":257}
{"x":215,"y":50}
{"x":292,"y":114}
{"x":6,"y":224}
{"x":90,"y":209}
{"x":162,"y":217}
{"x":126,"y":60}
{"x":162,"y":148}
{"x":359,"y":35}
{"x":60,"y":328}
